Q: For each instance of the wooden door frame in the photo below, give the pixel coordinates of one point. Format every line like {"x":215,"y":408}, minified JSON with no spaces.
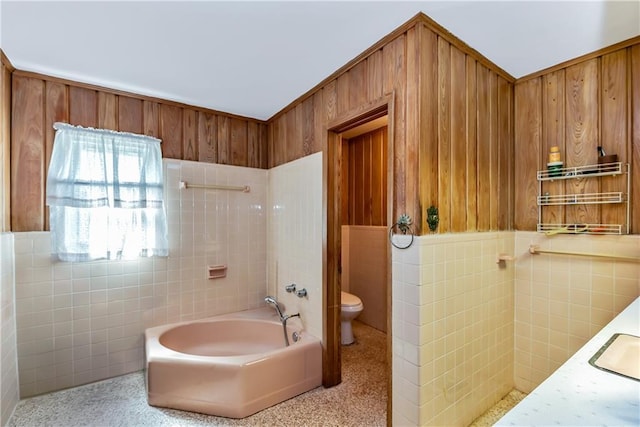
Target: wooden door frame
{"x":331,"y":202}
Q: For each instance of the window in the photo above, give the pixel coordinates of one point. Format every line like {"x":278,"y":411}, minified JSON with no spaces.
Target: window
{"x":105,"y":195}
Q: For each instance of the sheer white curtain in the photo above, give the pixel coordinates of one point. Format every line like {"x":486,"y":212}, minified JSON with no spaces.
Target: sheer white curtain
{"x":105,"y":195}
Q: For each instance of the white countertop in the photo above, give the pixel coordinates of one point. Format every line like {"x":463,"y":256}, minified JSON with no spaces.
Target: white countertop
{"x":582,"y":395}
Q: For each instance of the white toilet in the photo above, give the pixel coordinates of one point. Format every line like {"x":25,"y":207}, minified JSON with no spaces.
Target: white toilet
{"x":351,"y":307}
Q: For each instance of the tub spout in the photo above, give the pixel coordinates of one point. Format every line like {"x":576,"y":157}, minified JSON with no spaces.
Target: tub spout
{"x":284,"y":326}
{"x":289,"y":316}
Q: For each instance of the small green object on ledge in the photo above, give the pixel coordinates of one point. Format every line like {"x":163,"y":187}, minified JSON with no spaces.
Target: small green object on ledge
{"x":432,"y":218}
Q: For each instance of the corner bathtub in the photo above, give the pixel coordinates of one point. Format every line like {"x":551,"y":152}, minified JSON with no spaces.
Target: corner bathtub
{"x":232,"y":365}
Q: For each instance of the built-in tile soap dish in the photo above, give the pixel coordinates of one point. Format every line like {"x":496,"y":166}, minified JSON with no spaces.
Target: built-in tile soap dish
{"x":619,"y":356}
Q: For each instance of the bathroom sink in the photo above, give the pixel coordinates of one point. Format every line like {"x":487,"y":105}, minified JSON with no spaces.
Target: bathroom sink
{"x":620,"y":355}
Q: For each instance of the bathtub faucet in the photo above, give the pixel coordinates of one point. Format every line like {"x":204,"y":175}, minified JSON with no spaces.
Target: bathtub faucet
{"x":283,"y":317}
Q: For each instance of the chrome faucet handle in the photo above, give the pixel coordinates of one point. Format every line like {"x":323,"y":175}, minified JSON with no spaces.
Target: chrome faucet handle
{"x":301,"y":293}
{"x":290,"y":288}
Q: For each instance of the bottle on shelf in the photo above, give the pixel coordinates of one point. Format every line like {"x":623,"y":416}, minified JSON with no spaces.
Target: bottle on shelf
{"x":554,"y":164}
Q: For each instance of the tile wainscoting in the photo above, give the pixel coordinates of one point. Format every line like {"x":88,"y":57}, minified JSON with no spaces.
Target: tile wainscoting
{"x":452,"y":327}
{"x":9,"y":392}
{"x":82,"y":322}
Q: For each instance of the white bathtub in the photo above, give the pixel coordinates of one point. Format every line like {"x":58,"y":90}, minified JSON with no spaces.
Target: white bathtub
{"x":232,"y":365}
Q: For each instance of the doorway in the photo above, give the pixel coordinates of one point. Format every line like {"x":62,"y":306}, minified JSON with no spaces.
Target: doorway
{"x":332,"y":202}
{"x":364,"y":243}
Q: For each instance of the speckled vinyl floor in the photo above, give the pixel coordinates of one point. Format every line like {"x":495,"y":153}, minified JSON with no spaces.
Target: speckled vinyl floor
{"x":496,"y":412}
{"x":360,"y":400}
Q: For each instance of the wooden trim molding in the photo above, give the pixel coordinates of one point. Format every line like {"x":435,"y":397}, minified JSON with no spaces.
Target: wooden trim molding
{"x":332,"y":193}
{"x":621,"y":45}
{"x":6,"y":70}
{"x":419,"y":19}
{"x":5,"y":61}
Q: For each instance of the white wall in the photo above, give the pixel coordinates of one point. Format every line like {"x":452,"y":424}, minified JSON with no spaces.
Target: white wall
{"x":82,"y":322}
{"x":452,"y":327}
{"x":8,"y":353}
{"x":295,"y":237}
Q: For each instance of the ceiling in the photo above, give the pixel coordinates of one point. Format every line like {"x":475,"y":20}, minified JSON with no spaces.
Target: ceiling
{"x":253,"y":58}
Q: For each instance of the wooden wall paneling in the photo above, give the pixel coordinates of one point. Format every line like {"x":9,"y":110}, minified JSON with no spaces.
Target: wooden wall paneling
{"x":298,"y":135}
{"x":505,"y":155}
{"x":207,"y":138}
{"x":582,"y":135}
{"x":56,"y":110}
{"x":635,"y":139}
{"x":553,"y":134}
{"x":528,"y":137}
{"x":494,"y":167}
{"x":319,"y":120}
{"x":280,"y":149}
{"x":358,"y":194}
{"x":308,"y":126}
{"x":358,"y":85}
{"x":224,"y":136}
{"x":458,"y":141}
{"x":130,"y":115}
{"x":253,"y":145}
{"x":27,"y":154}
{"x":367,"y":188}
{"x":342,"y":93}
{"x":346,"y":199}
{"x":83,"y":107}
{"x":471,"y":186}
{"x":107,"y":111}
{"x":428,"y":151}
{"x":444,"y":135}
{"x":170,"y":127}
{"x":189,"y":135}
{"x":292,"y":143}
{"x":264,"y":138}
{"x":412,"y":130}
{"x":365,"y":183}
{"x":374,"y":74}
{"x":484,"y":149}
{"x":614,"y":130}
{"x":330,"y":98}
{"x":89,"y":106}
{"x":286,"y":133}
{"x":393,"y":55}
{"x":271,"y":143}
{"x":378,"y":176}
{"x":151,"y":119}
{"x":239,"y":142}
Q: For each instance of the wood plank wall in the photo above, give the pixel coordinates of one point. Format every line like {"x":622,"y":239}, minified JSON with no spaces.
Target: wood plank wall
{"x":364,"y":163}
{"x":187,"y":133}
{"x":588,"y":102}
{"x":5,"y":134}
{"x":452,"y":125}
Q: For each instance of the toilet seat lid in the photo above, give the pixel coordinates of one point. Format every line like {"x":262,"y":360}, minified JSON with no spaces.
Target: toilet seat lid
{"x":349,"y":299}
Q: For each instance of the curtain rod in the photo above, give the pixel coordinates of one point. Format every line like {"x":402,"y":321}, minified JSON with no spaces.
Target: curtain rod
{"x":536,"y":250}
{"x":244,"y":189}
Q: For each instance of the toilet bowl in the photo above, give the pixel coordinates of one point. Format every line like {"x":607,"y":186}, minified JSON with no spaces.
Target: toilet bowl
{"x":351,"y":307}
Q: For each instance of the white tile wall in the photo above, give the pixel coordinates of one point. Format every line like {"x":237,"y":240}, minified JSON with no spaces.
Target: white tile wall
{"x":563,"y":301}
{"x":452,"y":327}
{"x":9,"y":393}
{"x":82,"y":322}
{"x":295,"y":237}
